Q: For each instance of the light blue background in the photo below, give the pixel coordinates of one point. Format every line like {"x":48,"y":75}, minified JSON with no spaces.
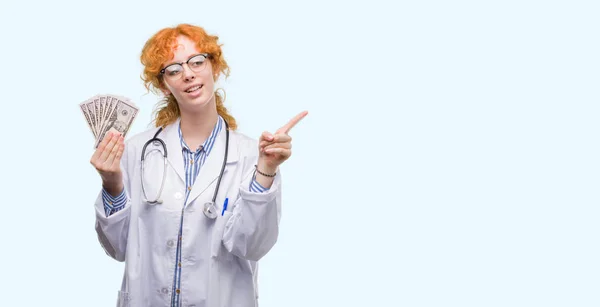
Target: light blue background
{"x":450,"y":156}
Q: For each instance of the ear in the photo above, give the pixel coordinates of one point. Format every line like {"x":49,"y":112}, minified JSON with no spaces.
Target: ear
{"x":165,"y":90}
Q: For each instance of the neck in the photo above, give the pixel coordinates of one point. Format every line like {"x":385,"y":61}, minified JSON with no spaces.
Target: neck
{"x":196,"y":127}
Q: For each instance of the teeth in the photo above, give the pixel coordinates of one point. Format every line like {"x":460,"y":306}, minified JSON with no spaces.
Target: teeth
{"x":194,"y":89}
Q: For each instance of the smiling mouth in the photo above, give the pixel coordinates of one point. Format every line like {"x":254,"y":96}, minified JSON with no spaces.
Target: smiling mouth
{"x":193,"y":89}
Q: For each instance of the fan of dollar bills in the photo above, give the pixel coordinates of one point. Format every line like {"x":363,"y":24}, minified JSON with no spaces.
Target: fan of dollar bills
{"x":108,"y":112}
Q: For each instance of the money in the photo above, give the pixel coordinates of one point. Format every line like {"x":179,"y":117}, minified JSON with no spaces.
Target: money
{"x":104,"y":113}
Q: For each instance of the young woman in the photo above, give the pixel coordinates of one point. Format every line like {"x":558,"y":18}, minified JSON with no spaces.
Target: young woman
{"x":191,"y":205}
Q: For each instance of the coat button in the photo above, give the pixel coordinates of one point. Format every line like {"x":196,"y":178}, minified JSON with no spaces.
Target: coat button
{"x":164,"y":290}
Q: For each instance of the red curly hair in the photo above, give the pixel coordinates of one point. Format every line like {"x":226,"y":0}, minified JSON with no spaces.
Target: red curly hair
{"x":159,"y":49}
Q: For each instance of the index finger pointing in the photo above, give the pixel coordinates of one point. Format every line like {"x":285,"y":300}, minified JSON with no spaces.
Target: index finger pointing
{"x":292,"y":122}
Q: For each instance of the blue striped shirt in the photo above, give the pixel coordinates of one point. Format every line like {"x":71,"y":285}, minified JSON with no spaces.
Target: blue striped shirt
{"x":193,"y":161}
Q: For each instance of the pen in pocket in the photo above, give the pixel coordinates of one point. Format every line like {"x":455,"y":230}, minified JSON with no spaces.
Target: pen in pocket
{"x":224,"y":206}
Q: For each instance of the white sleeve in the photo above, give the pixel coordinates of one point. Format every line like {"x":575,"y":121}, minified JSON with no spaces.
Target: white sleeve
{"x":253,"y":225}
{"x":112,"y":229}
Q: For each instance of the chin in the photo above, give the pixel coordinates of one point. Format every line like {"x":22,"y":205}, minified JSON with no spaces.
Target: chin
{"x":198,"y":103}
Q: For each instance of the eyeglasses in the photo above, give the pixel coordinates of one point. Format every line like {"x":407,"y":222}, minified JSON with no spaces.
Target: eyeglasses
{"x":174,"y":71}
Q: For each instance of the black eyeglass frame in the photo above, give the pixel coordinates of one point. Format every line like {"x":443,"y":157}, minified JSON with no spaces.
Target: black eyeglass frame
{"x":205,"y":55}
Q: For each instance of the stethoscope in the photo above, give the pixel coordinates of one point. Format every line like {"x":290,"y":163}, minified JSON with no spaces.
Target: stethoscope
{"x":209,"y":209}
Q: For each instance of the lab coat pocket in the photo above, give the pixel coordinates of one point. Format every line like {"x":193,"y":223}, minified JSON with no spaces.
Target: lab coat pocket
{"x":217,"y":235}
{"x":123,"y":300}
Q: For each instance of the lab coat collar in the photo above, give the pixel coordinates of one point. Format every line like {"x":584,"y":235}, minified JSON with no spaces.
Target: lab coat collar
{"x":171,"y":138}
{"x":210,"y":170}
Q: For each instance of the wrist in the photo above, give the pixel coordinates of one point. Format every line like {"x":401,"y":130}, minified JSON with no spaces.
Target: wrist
{"x":265,"y":174}
{"x":113,"y":186}
{"x":267,"y":169}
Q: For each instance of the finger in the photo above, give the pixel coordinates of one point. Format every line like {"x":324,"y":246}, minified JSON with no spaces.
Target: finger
{"x":100,"y":153}
{"x":101,"y":147}
{"x":281,"y":138}
{"x":264,"y":143}
{"x":109,"y":147}
{"x":117,"y":161}
{"x":279,"y":145}
{"x":113,"y":152}
{"x":282,"y":151}
{"x":277,"y":139}
{"x":266,"y":136}
{"x":287,"y":127}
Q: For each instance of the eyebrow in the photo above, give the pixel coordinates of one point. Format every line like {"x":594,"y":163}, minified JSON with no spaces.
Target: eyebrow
{"x":194,"y":55}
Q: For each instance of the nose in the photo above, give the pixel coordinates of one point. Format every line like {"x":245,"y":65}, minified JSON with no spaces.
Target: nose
{"x":188,"y":74}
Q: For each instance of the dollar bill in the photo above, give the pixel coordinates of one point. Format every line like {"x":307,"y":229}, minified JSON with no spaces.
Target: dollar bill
{"x":96,"y":104}
{"x":108,"y":108}
{"x":90,"y":107}
{"x":106,"y":112}
{"x":88,"y":117}
{"x":120,"y":119}
{"x":102,"y":104}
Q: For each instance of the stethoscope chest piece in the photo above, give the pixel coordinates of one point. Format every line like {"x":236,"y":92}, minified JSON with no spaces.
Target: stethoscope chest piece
{"x":210,"y":210}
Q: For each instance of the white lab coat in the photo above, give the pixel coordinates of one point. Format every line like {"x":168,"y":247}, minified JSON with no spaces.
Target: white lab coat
{"x":219,"y":257}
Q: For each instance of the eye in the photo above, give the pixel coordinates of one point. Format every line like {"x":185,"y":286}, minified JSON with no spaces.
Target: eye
{"x":173,"y":70}
{"x":197,"y":61}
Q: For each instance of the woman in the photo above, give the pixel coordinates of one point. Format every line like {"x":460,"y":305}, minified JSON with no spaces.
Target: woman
{"x":180,"y":251}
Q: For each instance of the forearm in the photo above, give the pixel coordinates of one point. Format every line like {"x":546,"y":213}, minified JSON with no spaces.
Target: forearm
{"x":114,"y":186}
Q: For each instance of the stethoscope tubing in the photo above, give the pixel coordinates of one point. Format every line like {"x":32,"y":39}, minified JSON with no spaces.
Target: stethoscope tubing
{"x":210,"y":207}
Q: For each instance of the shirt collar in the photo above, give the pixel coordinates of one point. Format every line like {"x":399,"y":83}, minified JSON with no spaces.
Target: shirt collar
{"x":209,"y":142}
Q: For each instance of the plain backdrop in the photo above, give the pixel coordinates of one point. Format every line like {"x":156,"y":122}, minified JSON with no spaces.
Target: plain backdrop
{"x":449,"y":158}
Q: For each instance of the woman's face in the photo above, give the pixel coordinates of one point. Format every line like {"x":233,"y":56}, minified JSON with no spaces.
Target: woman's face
{"x":192,"y":84}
